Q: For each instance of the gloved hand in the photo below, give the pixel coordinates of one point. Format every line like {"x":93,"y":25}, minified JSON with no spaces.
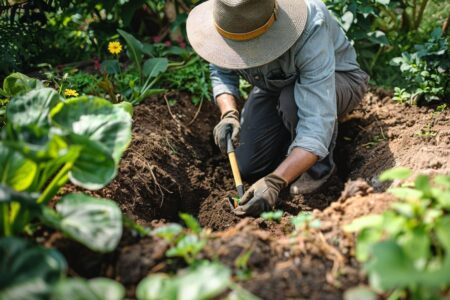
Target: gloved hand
{"x":228,"y":123}
{"x":262,"y":196}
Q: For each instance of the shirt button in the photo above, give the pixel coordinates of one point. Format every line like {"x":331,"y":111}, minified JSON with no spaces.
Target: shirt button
{"x":256,"y":77}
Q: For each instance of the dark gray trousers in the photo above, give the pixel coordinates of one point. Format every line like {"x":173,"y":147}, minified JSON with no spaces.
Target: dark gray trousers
{"x":269,"y":121}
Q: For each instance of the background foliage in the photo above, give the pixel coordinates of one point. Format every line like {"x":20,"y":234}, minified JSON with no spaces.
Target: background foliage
{"x":388,"y":35}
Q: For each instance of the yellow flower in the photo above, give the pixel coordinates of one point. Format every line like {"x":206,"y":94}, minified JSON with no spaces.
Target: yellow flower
{"x":70,"y":93}
{"x":115,"y":47}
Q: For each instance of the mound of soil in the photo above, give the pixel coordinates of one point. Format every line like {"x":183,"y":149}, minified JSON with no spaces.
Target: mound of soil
{"x":174,"y":167}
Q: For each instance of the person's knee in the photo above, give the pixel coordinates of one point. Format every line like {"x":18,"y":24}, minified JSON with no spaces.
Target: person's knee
{"x":246,"y":168}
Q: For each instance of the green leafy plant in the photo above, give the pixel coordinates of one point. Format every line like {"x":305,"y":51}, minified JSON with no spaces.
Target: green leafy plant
{"x":148,"y":71}
{"x":426,"y":70}
{"x":272,"y":215}
{"x":243,"y":271}
{"x":186,"y":244}
{"x":304,"y":222}
{"x":193,"y":77}
{"x":408,"y":246}
{"x":204,"y":282}
{"x":28,"y":271}
{"x":49,"y":141}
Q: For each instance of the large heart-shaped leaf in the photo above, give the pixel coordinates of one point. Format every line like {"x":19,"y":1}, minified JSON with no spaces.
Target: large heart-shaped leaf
{"x":97,"y":119}
{"x":206,"y":282}
{"x":94,"y":289}
{"x":94,"y":222}
{"x":32,"y":107}
{"x":27,"y":271}
{"x":156,"y":287}
{"x":18,"y":83}
{"x":16,"y":171}
{"x":102,"y":129}
{"x":94,"y":167}
{"x":155,"y":66}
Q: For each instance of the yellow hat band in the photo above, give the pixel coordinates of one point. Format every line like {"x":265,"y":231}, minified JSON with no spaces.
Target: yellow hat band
{"x":245,"y":36}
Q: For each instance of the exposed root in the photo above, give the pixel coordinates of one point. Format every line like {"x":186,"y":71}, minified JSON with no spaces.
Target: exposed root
{"x":168,"y":108}
{"x":196,"y":114}
{"x":150,"y":168}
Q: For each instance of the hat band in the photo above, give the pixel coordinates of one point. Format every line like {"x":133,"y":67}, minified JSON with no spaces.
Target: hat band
{"x":245,"y":36}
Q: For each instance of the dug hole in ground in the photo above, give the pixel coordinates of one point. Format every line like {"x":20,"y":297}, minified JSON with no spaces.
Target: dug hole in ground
{"x":173,"y":167}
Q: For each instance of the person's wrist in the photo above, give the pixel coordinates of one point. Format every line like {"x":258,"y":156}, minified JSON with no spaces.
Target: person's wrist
{"x":232,"y":113}
{"x":275,"y":181}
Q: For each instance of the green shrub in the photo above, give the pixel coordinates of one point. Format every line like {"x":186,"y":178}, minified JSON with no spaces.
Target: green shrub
{"x":408,"y":246}
{"x":427,"y":70}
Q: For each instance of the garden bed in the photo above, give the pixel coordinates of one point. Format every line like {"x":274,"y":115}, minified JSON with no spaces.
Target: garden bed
{"x":173,"y":167}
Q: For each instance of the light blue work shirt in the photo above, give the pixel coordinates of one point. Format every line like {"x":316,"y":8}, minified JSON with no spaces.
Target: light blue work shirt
{"x":310,"y":65}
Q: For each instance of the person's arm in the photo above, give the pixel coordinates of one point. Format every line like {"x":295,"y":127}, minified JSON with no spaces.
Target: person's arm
{"x":225,"y":85}
{"x":226,"y":103}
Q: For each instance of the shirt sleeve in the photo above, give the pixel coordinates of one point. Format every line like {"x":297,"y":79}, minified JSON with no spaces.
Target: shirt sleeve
{"x":315,"y":92}
{"x":224,"y":81}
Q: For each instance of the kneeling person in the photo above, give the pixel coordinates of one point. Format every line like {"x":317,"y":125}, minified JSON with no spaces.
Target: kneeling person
{"x":305,"y":75}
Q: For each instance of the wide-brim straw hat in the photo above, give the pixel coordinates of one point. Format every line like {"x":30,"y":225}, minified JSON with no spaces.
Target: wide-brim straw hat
{"x":241,"y":34}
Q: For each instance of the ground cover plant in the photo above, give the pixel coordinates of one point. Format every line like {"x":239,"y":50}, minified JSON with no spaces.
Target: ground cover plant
{"x":407,"y":247}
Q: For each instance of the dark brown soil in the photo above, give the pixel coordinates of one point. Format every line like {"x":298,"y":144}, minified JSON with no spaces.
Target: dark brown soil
{"x":174,"y":167}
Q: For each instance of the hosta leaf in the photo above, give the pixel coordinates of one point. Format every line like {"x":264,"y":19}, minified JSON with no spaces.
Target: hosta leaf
{"x":18,"y":83}
{"x":360,"y":293}
{"x":28,"y":271}
{"x":94,"y":222}
{"x":33,"y":107}
{"x":8,"y":195}
{"x":97,"y":119}
{"x":206,"y":282}
{"x":16,"y":171}
{"x":157,"y":287}
{"x":395,"y":173}
{"x":155,"y":66}
{"x":94,"y":289}
{"x":94,"y":166}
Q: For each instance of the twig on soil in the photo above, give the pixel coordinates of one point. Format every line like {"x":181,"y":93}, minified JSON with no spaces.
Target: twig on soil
{"x":196,"y":114}
{"x":168,"y":108}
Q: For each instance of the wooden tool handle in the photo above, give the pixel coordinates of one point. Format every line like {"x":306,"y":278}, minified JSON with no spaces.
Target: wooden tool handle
{"x":235,"y":169}
{"x":234,"y":166}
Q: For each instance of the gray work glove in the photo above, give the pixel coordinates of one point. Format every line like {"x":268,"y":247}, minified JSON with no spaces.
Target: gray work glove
{"x":228,"y":123}
{"x":262,"y":196}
